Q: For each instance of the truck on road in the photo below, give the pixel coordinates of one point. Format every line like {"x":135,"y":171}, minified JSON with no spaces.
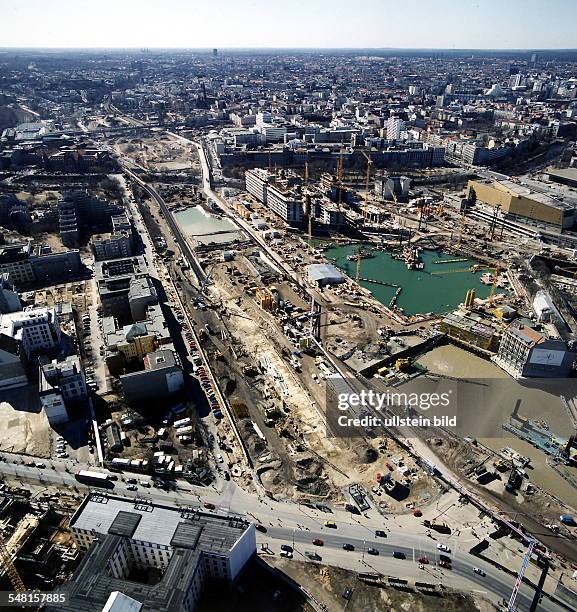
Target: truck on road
{"x":97,"y":479}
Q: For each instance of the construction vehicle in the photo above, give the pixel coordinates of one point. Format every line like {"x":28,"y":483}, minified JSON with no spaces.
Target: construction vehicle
{"x":403,"y":364}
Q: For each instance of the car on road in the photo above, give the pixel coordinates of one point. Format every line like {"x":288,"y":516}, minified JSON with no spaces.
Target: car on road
{"x":286,"y":553}
{"x":40,"y":466}
{"x":372,"y":551}
{"x":444,"y":564}
{"x":318,"y":542}
{"x":443,"y":547}
{"x":132,"y":487}
{"x":379,"y":533}
{"x":399,"y":555}
{"x":330,"y":524}
{"x":347,"y":593}
{"x":479,"y":571}
{"x":286,"y":547}
{"x":209,"y":506}
{"x":260,"y":528}
{"x":423,"y":560}
{"x":310,"y":554}
{"x":347,"y":546}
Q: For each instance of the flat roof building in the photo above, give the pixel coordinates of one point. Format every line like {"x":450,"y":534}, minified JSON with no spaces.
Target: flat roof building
{"x":519,"y":203}
{"x":324,"y":274}
{"x":181,"y":547}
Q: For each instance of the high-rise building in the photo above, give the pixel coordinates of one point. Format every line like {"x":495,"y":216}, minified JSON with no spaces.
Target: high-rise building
{"x":394,"y":128}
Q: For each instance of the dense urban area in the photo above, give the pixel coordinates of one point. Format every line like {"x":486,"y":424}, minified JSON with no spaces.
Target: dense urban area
{"x":202,"y":253}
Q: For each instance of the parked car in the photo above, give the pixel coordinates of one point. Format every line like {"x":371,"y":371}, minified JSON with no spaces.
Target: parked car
{"x":286,"y":547}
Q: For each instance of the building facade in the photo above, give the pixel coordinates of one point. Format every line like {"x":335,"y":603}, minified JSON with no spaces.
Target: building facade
{"x":525,"y":352}
{"x":186,"y":548}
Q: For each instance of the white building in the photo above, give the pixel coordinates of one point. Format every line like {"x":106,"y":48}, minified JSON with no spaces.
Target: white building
{"x":37,"y":329}
{"x":286,"y":204}
{"x":61,"y":384}
{"x":185,"y":546}
{"x":394,"y":128}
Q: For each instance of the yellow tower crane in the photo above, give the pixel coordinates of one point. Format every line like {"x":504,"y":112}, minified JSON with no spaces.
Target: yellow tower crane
{"x":6,"y":561}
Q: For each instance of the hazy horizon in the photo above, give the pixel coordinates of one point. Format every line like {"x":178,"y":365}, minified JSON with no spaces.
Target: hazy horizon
{"x":515,"y":25}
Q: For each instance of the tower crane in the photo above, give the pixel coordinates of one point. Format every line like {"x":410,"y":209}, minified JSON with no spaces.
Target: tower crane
{"x":6,"y":561}
{"x":368,"y":176}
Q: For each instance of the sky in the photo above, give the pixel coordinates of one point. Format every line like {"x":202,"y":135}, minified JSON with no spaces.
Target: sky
{"x":443,"y":24}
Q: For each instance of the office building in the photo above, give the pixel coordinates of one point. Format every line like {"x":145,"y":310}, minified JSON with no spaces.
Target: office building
{"x":276,"y":195}
{"x":127,"y":346}
{"x":121,"y":280}
{"x":162,"y":376}
{"x":13,"y":364}
{"x":79,"y":214}
{"x":525,"y":352}
{"x":520,"y":203}
{"x":15,"y":260}
{"x":395,"y":127}
{"x":471,"y":329}
{"x":127,"y":539}
{"x":61,"y":385}
{"x":9,"y":300}
{"x":116,"y":244}
{"x":28,"y":266}
{"x":36,"y":329}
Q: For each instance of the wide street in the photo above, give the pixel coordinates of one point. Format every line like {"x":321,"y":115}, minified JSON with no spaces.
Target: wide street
{"x":298,"y":525}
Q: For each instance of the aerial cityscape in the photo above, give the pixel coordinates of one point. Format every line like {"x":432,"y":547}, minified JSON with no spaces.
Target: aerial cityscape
{"x":288,"y":323}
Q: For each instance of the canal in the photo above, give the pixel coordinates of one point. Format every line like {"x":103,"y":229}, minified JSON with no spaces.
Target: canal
{"x":438,"y":288}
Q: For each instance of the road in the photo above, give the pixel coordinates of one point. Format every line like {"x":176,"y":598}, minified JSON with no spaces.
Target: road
{"x":298,"y":525}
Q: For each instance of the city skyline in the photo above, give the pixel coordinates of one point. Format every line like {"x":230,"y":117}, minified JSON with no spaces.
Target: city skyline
{"x":322,"y":24}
